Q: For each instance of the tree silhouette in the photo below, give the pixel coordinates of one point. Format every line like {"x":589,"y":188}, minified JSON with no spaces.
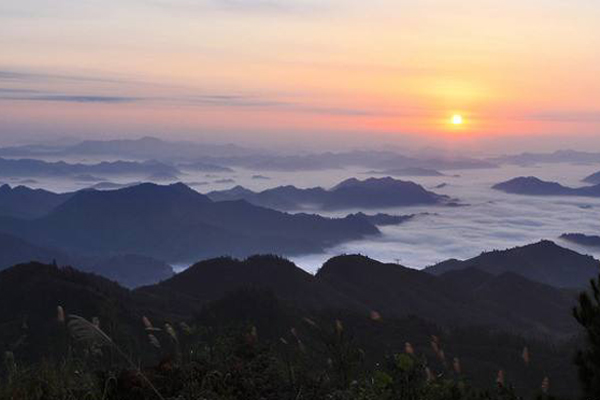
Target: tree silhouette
{"x":587,"y":313}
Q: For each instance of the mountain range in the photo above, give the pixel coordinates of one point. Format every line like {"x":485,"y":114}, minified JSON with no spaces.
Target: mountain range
{"x":273,"y":296}
{"x":230,"y":155}
{"x":543,"y":262}
{"x":594,"y":179}
{"x":560,"y":156}
{"x":351,"y":193}
{"x":128,"y":269}
{"x":533,"y":186}
{"x":177,"y":224}
{"x":23,"y":202}
{"x":37,"y":168}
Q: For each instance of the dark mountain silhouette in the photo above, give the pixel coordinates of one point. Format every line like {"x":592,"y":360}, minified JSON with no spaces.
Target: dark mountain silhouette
{"x":176,"y":223}
{"x":452,"y":299}
{"x":536,"y":187}
{"x":581,"y":239}
{"x":23,"y":202}
{"x":128,"y":270}
{"x":210,"y":280}
{"x":361,"y":285}
{"x":39,"y":168}
{"x":351,"y":193}
{"x":131,"y":270}
{"x":543,"y":262}
{"x":29,"y":297}
{"x":382,"y":192}
{"x":594,"y":179}
{"x":30,"y":294}
{"x":15,"y":251}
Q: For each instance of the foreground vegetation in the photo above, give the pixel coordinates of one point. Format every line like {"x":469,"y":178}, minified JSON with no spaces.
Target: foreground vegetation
{"x":315,"y":361}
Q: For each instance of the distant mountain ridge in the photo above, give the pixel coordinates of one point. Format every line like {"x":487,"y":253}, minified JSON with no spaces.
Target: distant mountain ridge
{"x":533,"y":186}
{"x":543,"y":262}
{"x":127,"y":269}
{"x":594,"y":179}
{"x":559,"y":156}
{"x":581,"y":239}
{"x":177,"y":224}
{"x":38,"y":168}
{"x":231,"y":155}
{"x":23,"y":202}
{"x":351,"y":193}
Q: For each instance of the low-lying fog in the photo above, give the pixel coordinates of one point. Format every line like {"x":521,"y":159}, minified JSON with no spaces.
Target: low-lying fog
{"x":490,"y":219}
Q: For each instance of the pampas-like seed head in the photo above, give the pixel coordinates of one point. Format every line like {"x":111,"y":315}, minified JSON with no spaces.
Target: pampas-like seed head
{"x":185,"y":328}
{"x":526,"y":356}
{"x":408,"y":349}
{"x":282,"y":340}
{"x":428,"y":375}
{"x":545,"y":385}
{"x":375,"y":316}
{"x":456,"y":366}
{"x":500,"y":378}
{"x":311,"y":322}
{"x":147,"y":323}
{"x":60,"y":314}
{"x":85,"y":331}
{"x":171,"y":332}
{"x":339,"y":327}
{"x":153,"y":341}
{"x":294,"y":333}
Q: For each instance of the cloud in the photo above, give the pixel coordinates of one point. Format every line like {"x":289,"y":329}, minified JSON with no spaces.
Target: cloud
{"x":24,"y":75}
{"x":564,"y":116}
{"x":241,"y":6}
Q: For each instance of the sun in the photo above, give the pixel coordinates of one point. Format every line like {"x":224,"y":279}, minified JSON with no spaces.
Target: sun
{"x":457,"y":119}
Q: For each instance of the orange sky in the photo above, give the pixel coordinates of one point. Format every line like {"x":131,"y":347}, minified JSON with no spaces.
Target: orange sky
{"x":288,"y":71}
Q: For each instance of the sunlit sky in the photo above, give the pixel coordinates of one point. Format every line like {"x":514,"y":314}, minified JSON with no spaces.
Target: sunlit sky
{"x":331,"y":72}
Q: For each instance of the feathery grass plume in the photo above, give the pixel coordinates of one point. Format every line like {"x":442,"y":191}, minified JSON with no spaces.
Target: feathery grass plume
{"x":339,"y":327}
{"x":60,"y":314}
{"x":171,"y":332}
{"x":186,"y":328}
{"x":154,"y":341}
{"x":282,"y":340}
{"x":429,"y":375}
{"x":435,"y":347}
{"x":375,"y":316}
{"x":96,"y":322}
{"x":456,"y":366}
{"x":526,"y":356}
{"x":500,"y":380}
{"x":545,"y":385}
{"x":252,"y":336}
{"x":9,"y":361}
{"x":408,"y":349}
{"x":442,"y":357}
{"x":298,"y":341}
{"x":311,"y":322}
{"x":148,"y":325}
{"x":84,"y":331}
